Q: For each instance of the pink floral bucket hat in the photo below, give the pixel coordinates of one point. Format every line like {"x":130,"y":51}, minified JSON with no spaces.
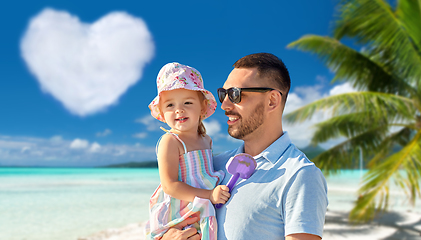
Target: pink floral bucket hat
{"x":177,"y":76}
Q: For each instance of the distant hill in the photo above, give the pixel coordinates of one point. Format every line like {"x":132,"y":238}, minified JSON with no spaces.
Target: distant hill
{"x":147,"y":164}
{"x":312,"y":151}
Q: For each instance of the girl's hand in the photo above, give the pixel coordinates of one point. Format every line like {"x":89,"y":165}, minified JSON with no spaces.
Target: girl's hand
{"x":220,"y":194}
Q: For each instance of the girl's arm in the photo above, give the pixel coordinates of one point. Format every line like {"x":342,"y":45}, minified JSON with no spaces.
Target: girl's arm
{"x":168,"y":157}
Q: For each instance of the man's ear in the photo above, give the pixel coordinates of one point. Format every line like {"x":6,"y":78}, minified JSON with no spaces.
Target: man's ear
{"x":275,"y":100}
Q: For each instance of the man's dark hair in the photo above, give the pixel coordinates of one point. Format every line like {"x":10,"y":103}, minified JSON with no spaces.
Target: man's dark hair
{"x":269,"y":66}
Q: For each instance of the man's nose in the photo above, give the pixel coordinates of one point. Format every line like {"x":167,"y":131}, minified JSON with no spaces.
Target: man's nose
{"x":226,"y":104}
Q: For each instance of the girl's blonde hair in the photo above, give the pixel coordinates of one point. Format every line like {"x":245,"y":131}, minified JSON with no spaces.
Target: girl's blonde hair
{"x":201,"y":130}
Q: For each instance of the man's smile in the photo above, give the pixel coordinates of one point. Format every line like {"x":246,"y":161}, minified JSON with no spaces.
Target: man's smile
{"x":232,"y":119}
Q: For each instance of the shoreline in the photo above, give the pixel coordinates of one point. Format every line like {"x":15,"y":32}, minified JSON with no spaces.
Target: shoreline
{"x":388,"y":225}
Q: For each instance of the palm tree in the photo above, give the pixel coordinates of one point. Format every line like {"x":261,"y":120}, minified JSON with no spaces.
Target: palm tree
{"x":385,"y":112}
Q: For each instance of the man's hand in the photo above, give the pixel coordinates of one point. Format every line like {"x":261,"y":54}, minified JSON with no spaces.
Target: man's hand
{"x":177,"y":232}
{"x":220,"y":194}
{"x":302,"y":236}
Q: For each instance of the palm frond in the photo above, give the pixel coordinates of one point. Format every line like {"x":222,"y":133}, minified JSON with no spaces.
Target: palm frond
{"x":409,"y":15}
{"x":373,"y":22}
{"x":379,"y":105}
{"x":346,"y":125}
{"x":353,"y":66}
{"x":398,"y":138}
{"x":387,"y":68}
{"x":412,"y":174}
{"x":344,"y":155}
{"x":334,"y":159}
{"x":377,"y":181}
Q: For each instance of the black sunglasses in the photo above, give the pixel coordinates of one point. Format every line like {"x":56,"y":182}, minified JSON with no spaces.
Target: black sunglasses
{"x":234,"y":93}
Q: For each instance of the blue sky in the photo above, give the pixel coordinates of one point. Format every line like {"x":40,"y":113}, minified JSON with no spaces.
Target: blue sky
{"x":76,"y":77}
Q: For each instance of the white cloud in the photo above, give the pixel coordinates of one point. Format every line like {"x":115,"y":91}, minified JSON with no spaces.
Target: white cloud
{"x":24,"y":151}
{"x":151,"y":123}
{"x":56,"y":139}
{"x":343,"y":88}
{"x":106,"y":132}
{"x":140,"y":135}
{"x":213,"y":127}
{"x":301,"y":133}
{"x":302,"y":96}
{"x":321,"y":79}
{"x":87,"y":67}
{"x":79,"y":144}
{"x":120,"y":152}
{"x":13,"y":144}
{"x":95,"y":147}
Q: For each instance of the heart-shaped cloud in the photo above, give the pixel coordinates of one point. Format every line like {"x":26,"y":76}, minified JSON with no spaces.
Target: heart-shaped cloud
{"x":87,"y":67}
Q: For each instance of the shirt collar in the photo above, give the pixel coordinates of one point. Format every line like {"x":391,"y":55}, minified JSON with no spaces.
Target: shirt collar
{"x":274,"y":151}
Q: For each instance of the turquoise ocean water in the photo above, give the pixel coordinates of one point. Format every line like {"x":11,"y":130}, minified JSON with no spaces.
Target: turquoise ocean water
{"x":67,"y":203}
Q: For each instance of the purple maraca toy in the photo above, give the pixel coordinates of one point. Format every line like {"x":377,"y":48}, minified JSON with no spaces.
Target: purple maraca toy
{"x":240,"y":166}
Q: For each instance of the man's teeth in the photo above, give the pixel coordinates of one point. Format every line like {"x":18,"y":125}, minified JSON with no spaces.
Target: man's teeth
{"x":232,"y":118}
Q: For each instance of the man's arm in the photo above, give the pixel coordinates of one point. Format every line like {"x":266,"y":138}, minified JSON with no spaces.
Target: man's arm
{"x":302,"y":236}
{"x":306,"y":204}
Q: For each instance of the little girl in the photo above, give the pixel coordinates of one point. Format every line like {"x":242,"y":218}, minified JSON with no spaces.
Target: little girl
{"x":184,"y":154}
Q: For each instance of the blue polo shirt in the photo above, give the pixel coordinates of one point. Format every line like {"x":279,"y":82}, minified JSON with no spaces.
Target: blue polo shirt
{"x":286,"y":194}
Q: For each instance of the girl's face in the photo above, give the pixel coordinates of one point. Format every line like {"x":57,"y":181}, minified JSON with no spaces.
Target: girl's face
{"x":181,"y":109}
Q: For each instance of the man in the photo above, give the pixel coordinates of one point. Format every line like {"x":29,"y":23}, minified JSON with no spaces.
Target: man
{"x":286,"y":197}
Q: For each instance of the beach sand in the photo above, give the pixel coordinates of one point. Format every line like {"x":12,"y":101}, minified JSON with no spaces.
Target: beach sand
{"x":388,"y":226}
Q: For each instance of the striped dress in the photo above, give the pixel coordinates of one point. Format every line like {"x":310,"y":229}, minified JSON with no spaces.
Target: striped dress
{"x":195,"y":169}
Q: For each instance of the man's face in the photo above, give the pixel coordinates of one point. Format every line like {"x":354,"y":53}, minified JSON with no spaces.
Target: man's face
{"x":245,"y":117}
